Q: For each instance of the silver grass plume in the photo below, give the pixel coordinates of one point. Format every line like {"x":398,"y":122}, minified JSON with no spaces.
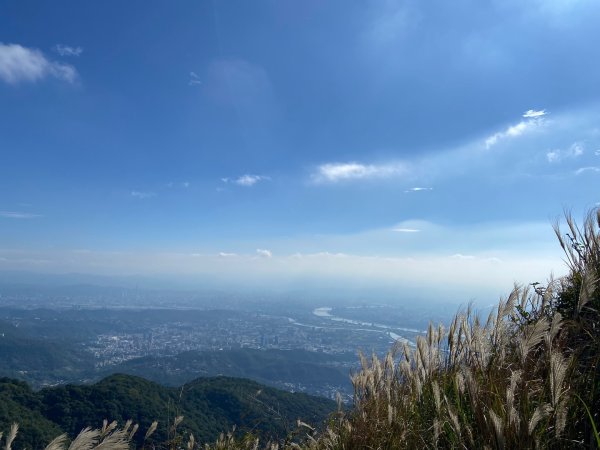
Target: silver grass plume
{"x":588,"y":287}
{"x":107,"y":428}
{"x":498,"y":428}
{"x":85,"y":440}
{"x":133,"y":431}
{"x":558,"y":371}
{"x":436,"y":396}
{"x":540,"y":413}
{"x":12,"y":434}
{"x":513,"y":418}
{"x":191,"y":442}
{"x":151,"y":430}
{"x":116,"y":440}
{"x":554,"y":329}
{"x":532,"y":336}
{"x":436,"y":431}
{"x":58,"y":443}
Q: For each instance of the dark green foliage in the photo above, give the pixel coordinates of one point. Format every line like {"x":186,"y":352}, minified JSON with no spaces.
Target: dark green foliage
{"x":209,"y":405}
{"x":19,"y":404}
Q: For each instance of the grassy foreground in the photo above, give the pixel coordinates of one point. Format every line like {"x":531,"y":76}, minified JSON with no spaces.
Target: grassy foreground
{"x":528,"y":376}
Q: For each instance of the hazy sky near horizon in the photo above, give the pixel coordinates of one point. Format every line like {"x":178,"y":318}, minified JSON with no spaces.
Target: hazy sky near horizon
{"x":393,"y":142}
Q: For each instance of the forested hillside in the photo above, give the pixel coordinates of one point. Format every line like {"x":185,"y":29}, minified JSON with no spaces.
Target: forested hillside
{"x":208,"y":405}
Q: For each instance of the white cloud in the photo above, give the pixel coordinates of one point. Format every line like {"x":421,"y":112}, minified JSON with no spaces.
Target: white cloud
{"x":335,"y":172}
{"x":194,"y":79}
{"x":249,"y":180}
{"x":18,"y":215}
{"x":67,"y":50}
{"x":524,"y":126}
{"x":583,"y":170}
{"x":532,"y":113}
{"x":22,"y":64}
{"x":264,"y":253}
{"x":576,"y":149}
{"x":142,"y":195}
{"x":227,"y":255}
{"x":461,"y":256}
{"x":419,"y":189}
{"x":246,"y":180}
{"x":407,"y":230}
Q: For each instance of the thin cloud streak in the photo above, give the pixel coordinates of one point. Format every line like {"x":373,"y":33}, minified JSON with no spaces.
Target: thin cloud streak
{"x":18,"y":215}
{"x":142,"y":195}
{"x":21,"y":64}
{"x":418,"y":189}
{"x":532,"y":113}
{"x":67,"y":50}
{"x":247,"y":180}
{"x":534,"y":120}
{"x":582,"y":170}
{"x":337,"y":172}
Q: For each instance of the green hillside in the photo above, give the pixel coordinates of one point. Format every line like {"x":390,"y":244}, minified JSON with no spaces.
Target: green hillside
{"x":209,"y":406}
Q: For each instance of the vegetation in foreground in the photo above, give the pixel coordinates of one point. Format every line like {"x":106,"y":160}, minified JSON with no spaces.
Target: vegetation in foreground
{"x":527,"y":377}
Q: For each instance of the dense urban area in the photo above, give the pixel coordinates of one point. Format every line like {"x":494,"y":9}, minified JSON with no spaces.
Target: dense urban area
{"x":176,"y":337}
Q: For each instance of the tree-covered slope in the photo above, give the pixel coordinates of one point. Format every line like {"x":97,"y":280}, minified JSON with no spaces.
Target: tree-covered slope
{"x":18,"y":403}
{"x":209,"y":406}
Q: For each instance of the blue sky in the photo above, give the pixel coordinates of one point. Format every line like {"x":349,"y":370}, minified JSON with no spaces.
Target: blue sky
{"x":382,"y":142}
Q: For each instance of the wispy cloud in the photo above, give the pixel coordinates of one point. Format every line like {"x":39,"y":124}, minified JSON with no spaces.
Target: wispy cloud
{"x":183,"y":184}
{"x":576,"y":149}
{"x":21,"y":64}
{"x":407,"y":230}
{"x":583,"y":170}
{"x":461,"y":256}
{"x":18,"y":215}
{"x":194,"y":79}
{"x":335,"y":172}
{"x":142,"y":194}
{"x":246,"y":180}
{"x":532,"y":113}
{"x":534,"y":119}
{"x":263,"y":253}
{"x":67,"y":50}
{"x":488,"y":259}
{"x":419,"y":189}
{"x":227,"y":255}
